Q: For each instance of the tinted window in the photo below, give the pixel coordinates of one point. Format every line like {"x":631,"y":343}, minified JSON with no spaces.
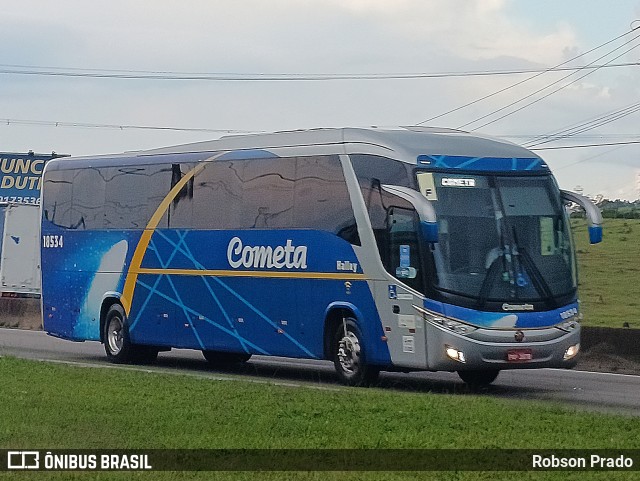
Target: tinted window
{"x":56,"y":202}
{"x":159,"y":180}
{"x":88,"y":189}
{"x":373,"y":171}
{"x":181,"y":209}
{"x":385,"y":211}
{"x":268,"y":193}
{"x":218,"y":196}
{"x":382,"y":169}
{"x":322,"y":199}
{"x":133,"y":194}
{"x":274,"y":193}
{"x":402,"y":259}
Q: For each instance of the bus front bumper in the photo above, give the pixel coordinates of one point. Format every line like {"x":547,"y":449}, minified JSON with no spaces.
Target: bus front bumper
{"x":499,"y":349}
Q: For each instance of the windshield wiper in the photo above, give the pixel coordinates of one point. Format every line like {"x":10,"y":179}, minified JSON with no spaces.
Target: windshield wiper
{"x":488,"y":281}
{"x":492,"y":274}
{"x":538,"y":280}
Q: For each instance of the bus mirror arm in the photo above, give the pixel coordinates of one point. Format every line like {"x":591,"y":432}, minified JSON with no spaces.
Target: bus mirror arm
{"x":594,"y":216}
{"x":424,"y":208}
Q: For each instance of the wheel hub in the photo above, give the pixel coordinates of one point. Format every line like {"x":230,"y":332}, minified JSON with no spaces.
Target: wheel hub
{"x":349,"y":352}
{"x":114,"y":335}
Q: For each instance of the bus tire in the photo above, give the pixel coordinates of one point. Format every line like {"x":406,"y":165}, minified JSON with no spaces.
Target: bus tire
{"x":118,"y":347}
{"x":220,"y":358}
{"x":349,"y":356}
{"x":479,"y":379}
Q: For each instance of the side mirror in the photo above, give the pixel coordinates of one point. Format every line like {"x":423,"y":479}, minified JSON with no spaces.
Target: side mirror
{"x":424,"y":208}
{"x":594,"y":217}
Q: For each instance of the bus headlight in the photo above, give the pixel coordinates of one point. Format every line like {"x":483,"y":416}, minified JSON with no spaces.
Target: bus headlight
{"x":571,"y":352}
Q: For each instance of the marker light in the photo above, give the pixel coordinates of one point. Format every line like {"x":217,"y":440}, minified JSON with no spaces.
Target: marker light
{"x":569,"y":325}
{"x":571,"y":352}
{"x":454,"y":354}
{"x":453,"y":325}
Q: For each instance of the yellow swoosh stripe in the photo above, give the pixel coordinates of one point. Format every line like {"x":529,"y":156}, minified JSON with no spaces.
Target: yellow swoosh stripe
{"x":269,"y":274}
{"x":143,"y":244}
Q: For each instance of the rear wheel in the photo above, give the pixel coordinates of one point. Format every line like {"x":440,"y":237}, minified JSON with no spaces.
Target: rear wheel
{"x":217,"y":358}
{"x":117,"y":345}
{"x":349,"y":356}
{"x":478,"y":379}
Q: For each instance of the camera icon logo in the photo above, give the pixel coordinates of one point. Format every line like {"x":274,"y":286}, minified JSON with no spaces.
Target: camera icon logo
{"x":23,"y":460}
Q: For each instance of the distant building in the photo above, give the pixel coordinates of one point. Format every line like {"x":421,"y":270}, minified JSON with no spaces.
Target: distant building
{"x":20,"y":183}
{"x":20,"y":176}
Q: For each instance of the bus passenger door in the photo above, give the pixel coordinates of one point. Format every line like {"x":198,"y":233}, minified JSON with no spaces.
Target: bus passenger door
{"x":400,"y":253}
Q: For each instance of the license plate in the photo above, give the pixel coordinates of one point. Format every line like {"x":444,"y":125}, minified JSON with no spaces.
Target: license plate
{"x":519,"y":355}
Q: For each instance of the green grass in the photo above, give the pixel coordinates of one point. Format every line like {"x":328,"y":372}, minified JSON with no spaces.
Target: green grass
{"x":50,"y":406}
{"x":609,"y":273}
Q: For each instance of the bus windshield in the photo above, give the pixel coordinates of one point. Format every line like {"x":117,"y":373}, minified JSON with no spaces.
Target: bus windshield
{"x":502,"y":238}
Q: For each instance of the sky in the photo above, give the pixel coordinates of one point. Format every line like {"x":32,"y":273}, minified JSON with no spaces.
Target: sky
{"x":237,"y":42}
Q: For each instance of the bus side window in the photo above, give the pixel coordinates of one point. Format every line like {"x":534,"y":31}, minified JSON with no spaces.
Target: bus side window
{"x":322,"y":199}
{"x":181,"y":209}
{"x":275,"y":193}
{"x":403,"y":259}
{"x":158,"y":185}
{"x":372,"y":171}
{"x":56,"y":203}
{"x":88,"y":199}
{"x":218,"y":196}
{"x":268,"y":193}
{"x":126,"y":197}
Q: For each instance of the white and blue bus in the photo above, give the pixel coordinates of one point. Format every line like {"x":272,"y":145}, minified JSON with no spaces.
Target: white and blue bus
{"x":379,"y":249}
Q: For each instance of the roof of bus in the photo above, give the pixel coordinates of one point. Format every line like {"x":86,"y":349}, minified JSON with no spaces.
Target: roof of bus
{"x":408,"y":144}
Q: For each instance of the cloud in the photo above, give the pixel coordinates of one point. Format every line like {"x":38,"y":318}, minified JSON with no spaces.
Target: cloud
{"x":281,"y":32}
{"x":470,"y":29}
{"x":286,"y":36}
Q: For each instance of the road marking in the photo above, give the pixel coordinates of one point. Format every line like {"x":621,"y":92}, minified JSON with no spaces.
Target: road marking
{"x":312,"y":362}
{"x":593,"y":372}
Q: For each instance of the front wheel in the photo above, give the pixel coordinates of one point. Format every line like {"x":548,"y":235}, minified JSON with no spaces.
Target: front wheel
{"x":349,"y":356}
{"x":478,"y":379}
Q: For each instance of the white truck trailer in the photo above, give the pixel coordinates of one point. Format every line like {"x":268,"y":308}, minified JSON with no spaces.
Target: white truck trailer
{"x":20,"y":254}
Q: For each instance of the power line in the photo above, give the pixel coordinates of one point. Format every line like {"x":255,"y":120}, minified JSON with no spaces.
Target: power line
{"x":526,"y":138}
{"x":556,"y":68}
{"x":591,"y":157}
{"x":580,"y":128}
{"x":577,"y":129}
{"x":546,"y":87}
{"x":276,"y":77}
{"x":564,"y":147}
{"x":53,"y":123}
